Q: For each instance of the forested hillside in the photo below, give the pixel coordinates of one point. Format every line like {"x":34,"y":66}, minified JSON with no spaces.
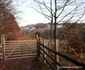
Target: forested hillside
{"x":8,"y":24}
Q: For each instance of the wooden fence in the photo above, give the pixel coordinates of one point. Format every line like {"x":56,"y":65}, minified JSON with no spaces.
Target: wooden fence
{"x":54,"y":64}
{"x":16,"y":49}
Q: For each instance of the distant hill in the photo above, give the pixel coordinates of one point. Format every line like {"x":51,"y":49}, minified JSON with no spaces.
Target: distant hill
{"x":34,"y":27}
{"x":31,"y":29}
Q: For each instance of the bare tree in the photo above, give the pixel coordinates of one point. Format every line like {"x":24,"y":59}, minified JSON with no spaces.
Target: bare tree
{"x":59,"y":11}
{"x":5,"y":7}
{"x":64,"y":10}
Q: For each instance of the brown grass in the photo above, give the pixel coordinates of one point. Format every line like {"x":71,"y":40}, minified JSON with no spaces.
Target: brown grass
{"x":22,"y":64}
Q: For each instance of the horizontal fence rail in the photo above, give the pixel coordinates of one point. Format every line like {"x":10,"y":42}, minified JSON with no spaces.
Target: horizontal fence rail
{"x":73,"y":60}
{"x":51,"y":59}
{"x":16,"y":49}
{"x":20,"y":49}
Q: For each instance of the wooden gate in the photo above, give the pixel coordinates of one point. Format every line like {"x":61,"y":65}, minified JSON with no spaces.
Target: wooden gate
{"x":16,"y":49}
{"x":20,"y":49}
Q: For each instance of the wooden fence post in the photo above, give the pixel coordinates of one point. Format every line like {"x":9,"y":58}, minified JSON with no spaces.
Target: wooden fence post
{"x":3,"y":47}
{"x":57,"y":49}
{"x":38,"y":46}
{"x":44,"y":50}
{"x":43,"y":47}
{"x":21,"y":49}
{"x":1,"y":50}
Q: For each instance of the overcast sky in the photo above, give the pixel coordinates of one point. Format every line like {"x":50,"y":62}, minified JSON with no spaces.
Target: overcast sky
{"x":28,"y":15}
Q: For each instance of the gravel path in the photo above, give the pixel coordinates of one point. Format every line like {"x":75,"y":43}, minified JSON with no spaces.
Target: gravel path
{"x":22,"y":64}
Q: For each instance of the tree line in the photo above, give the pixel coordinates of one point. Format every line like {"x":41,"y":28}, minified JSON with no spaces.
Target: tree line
{"x":8,"y":24}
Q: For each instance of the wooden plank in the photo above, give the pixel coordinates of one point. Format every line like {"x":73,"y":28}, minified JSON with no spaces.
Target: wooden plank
{"x":20,"y":52}
{"x":21,"y":41}
{"x":29,"y":54}
{"x":27,"y":46}
{"x":16,"y":53}
{"x":19,"y":49}
{"x":12,"y":42}
{"x":10,"y":49}
{"x":13,"y":51}
{"x":13,"y":56}
{"x":21,"y":57}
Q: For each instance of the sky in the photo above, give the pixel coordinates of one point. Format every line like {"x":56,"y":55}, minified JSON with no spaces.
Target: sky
{"x":27,"y":15}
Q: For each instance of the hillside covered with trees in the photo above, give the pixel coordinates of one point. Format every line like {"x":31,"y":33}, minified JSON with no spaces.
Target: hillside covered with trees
{"x":8,"y":24}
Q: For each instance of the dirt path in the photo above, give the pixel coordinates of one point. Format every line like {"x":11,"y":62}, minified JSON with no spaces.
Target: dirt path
{"x":22,"y":64}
